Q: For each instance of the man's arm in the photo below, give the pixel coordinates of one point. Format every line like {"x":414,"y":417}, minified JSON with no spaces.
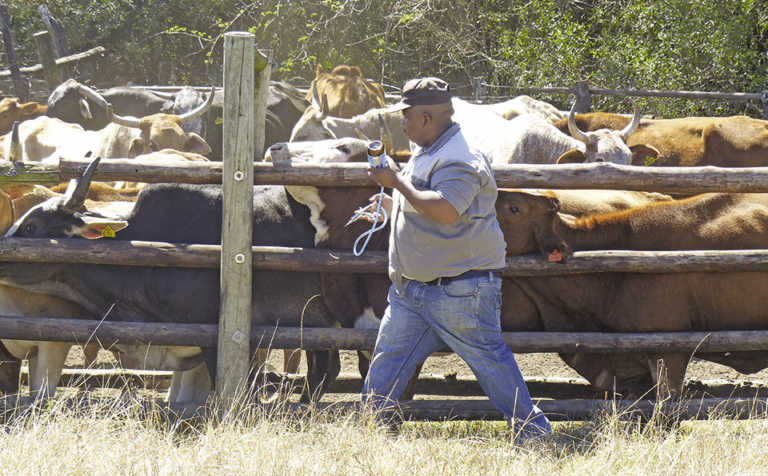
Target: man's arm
{"x":428,"y":203}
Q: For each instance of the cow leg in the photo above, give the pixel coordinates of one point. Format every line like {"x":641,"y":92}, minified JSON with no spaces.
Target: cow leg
{"x":291,"y":360}
{"x":10,"y":368}
{"x":46,"y":366}
{"x":190,"y":386}
{"x":322,"y":368}
{"x":668,"y":373}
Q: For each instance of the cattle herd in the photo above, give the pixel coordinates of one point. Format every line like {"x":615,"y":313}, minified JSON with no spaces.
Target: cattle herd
{"x":333,"y":122}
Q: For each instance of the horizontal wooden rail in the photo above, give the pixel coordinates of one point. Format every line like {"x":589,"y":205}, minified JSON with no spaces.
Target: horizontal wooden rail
{"x":204,"y":335}
{"x":180,"y":255}
{"x":77,"y":57}
{"x":684,"y":180}
{"x":737,"y":97}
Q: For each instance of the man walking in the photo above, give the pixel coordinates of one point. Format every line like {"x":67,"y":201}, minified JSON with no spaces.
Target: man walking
{"x":446,"y":253}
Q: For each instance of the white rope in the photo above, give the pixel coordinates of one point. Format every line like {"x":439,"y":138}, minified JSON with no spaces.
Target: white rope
{"x":378,"y":218}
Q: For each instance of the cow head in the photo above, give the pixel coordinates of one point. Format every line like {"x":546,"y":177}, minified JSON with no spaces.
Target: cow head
{"x":65,"y":216}
{"x":604,"y":145}
{"x":164,"y":131}
{"x":11,"y":110}
{"x":527,"y":220}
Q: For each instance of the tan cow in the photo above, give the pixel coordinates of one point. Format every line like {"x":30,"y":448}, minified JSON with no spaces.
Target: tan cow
{"x":45,"y":139}
{"x":637,"y":302}
{"x":11,"y":110}
{"x":734,"y":141}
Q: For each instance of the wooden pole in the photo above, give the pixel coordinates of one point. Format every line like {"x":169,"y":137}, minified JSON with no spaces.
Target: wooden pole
{"x":237,"y":225}
{"x":59,"y":37}
{"x":47,"y":59}
{"x":19,"y":85}
{"x":583,"y":99}
{"x":317,"y":338}
{"x":682,"y":180}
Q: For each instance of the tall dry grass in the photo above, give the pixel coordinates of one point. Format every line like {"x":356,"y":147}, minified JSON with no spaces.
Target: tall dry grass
{"x":121,"y":436}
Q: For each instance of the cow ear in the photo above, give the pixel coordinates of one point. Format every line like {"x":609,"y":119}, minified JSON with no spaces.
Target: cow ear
{"x":195,"y":143}
{"x":644,"y":154}
{"x":136,"y":146}
{"x":573,"y":156}
{"x":100,"y":227}
{"x":85,"y":109}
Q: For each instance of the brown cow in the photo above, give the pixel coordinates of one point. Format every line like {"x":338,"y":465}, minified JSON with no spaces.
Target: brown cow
{"x":11,"y":110}
{"x":631,"y":302}
{"x":735,"y":141}
{"x":344,"y":92}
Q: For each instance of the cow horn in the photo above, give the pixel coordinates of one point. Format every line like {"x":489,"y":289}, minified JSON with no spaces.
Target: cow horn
{"x":167,"y":96}
{"x":123,"y":121}
{"x":13,"y":153}
{"x":576,"y":133}
{"x":627,"y":131}
{"x":361,"y":135}
{"x":199,"y":111}
{"x":386,"y":135}
{"x":77,"y":190}
{"x":324,"y":105}
{"x":91,"y":94}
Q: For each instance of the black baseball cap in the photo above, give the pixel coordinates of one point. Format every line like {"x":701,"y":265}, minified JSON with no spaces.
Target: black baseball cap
{"x":423,"y":92}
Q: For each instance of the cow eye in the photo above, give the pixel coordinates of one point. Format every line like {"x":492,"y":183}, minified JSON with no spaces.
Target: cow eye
{"x":514,"y":209}
{"x":28,"y":229}
{"x":343,"y":149}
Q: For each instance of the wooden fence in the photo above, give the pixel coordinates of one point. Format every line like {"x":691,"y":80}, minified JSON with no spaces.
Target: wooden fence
{"x":208,"y":256}
{"x":233,"y":332}
{"x":583,"y":94}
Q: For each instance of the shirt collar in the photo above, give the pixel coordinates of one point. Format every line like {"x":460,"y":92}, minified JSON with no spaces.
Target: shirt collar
{"x":440,"y":142}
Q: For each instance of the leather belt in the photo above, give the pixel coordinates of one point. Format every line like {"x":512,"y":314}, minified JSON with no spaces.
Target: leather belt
{"x":474,"y":273}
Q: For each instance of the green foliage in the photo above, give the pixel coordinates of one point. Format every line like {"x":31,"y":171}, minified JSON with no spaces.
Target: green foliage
{"x":705,"y":45}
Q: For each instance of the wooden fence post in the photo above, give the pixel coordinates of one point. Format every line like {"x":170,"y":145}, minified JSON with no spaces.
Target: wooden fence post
{"x":237,"y":223}
{"x":47,"y":59}
{"x":479,"y":88}
{"x":583,"y":98}
{"x":19,"y":84}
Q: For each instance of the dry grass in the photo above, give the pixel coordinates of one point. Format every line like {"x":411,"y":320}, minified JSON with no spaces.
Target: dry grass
{"x":119,"y":436}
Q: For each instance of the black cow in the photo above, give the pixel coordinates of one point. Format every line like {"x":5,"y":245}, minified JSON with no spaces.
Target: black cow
{"x":76,"y":103}
{"x":285,"y":105}
{"x":175,"y":213}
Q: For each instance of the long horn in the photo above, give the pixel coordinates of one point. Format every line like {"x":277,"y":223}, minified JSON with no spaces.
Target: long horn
{"x":361,"y":135}
{"x":315,"y":98}
{"x":123,"y":121}
{"x":91,"y":94}
{"x":74,"y":197}
{"x":324,"y":105}
{"x":627,"y":131}
{"x":386,"y":135}
{"x":195,"y":113}
{"x":168,"y":96}
{"x":13,"y":153}
{"x":576,"y":133}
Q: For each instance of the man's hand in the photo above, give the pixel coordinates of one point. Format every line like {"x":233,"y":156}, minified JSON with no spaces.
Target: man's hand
{"x":386,"y":205}
{"x":386,"y":177}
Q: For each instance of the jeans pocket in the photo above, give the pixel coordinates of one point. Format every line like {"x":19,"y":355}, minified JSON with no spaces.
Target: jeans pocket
{"x":461,"y":288}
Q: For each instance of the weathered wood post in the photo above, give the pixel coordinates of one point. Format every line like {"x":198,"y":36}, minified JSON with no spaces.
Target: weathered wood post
{"x":583,"y":97}
{"x":19,"y":84}
{"x":47,"y":59}
{"x":479,"y":88}
{"x":237,"y":232}
{"x":59,"y":38}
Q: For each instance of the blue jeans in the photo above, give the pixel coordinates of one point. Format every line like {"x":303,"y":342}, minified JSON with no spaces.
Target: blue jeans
{"x":464,"y":315}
